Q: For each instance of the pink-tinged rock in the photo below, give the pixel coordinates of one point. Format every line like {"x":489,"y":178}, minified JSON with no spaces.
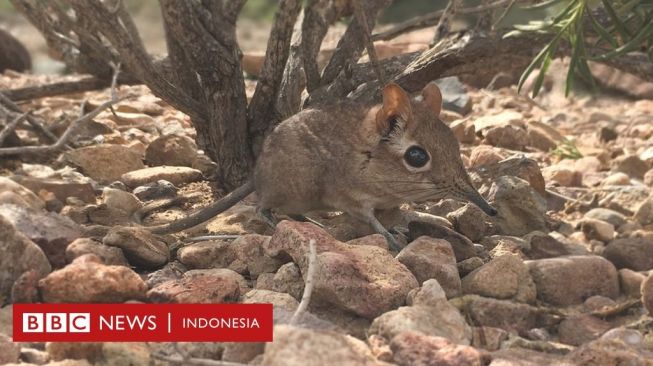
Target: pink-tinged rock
{"x":592,"y":275}
{"x":563,"y":175}
{"x":484,"y":155}
{"x":435,"y":319}
{"x":463,"y":248}
{"x":200,"y":286}
{"x":60,"y":188}
{"x":609,"y":352}
{"x":28,"y":198}
{"x":415,"y":349}
{"x":87,"y":280}
{"x":362,"y":279}
{"x":293,"y":346}
{"x":109,"y":255}
{"x":249,"y":251}
{"x":19,"y":255}
{"x":508,"y":136}
{"x":525,"y":357}
{"x":429,"y":258}
{"x":49,"y":230}
{"x":504,"y":277}
{"x":172,"y":150}
{"x":105,"y":163}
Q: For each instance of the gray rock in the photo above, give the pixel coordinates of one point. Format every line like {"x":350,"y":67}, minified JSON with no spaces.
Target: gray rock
{"x":576,"y":330}
{"x":9,"y":351}
{"x":177,"y":175}
{"x":429,"y":258}
{"x":454,"y":95}
{"x":141,"y":247}
{"x":470,"y":221}
{"x":592,"y":275}
{"x":607,"y":215}
{"x":521,"y":209}
{"x":462,"y":247}
{"x":288,"y":279}
{"x":19,"y":255}
{"x":172,"y":150}
{"x":504,"y":314}
{"x":632,"y":253}
{"x":293,"y":346}
{"x":505,"y":277}
{"x":49,"y":230}
{"x":105,"y":163}
{"x":159,"y":189}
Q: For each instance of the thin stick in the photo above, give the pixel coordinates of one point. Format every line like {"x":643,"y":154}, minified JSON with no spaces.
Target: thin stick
{"x":369,"y":44}
{"x":56,"y":88}
{"x":12,"y":108}
{"x":211,"y":237}
{"x":308,"y":283}
{"x":11,"y":126}
{"x":72,"y":128}
{"x":194,"y":361}
{"x":503,"y":15}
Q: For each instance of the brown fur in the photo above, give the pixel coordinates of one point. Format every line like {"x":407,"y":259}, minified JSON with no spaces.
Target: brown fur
{"x":346,"y":158}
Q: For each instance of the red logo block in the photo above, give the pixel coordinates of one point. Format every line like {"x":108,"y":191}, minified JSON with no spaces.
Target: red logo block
{"x":142,"y":322}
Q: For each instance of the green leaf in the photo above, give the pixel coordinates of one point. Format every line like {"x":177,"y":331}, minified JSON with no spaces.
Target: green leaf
{"x":605,"y":35}
{"x":546,"y":62}
{"x":536,"y":61}
{"x":643,"y":35}
{"x":615,"y":19}
{"x":513,"y":33}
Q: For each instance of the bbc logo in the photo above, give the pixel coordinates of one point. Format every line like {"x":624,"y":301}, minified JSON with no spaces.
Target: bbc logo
{"x":56,"y":322}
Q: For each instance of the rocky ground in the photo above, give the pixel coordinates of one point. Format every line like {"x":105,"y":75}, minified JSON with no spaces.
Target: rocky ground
{"x":563,"y":275}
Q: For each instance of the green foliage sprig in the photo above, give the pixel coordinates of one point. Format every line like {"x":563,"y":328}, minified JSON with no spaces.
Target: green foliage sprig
{"x":628,"y":27}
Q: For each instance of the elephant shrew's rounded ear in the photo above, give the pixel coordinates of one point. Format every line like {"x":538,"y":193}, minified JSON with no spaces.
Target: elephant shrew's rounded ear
{"x":432,"y":97}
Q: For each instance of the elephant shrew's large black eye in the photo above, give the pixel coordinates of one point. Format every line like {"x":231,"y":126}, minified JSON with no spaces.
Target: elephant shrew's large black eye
{"x":416,"y":157}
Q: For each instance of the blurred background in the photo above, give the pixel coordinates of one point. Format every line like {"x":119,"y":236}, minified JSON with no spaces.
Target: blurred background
{"x":254,"y":24}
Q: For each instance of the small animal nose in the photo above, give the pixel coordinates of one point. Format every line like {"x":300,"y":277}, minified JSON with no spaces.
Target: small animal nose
{"x":479,"y":201}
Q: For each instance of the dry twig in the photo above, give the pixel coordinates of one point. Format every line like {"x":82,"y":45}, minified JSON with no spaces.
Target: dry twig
{"x":309,"y":282}
{"x":12,"y":110}
{"x":70,"y":131}
{"x":194,"y":361}
{"x":369,"y":44}
{"x":11,"y":126}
